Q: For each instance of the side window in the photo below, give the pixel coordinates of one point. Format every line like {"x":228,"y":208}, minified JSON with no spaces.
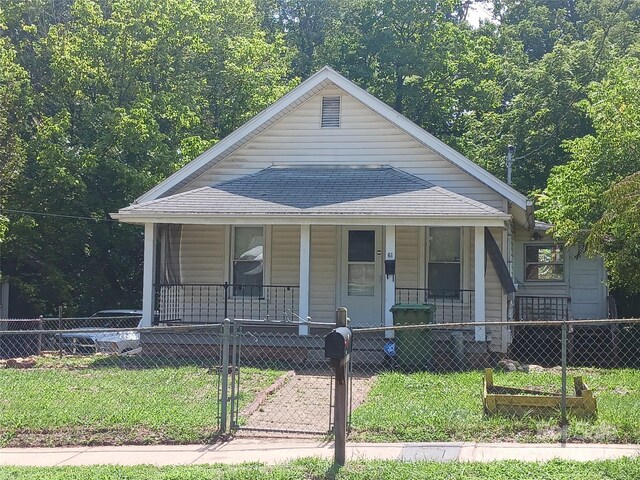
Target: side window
{"x":443,"y":271}
{"x":544,"y":262}
{"x":248,"y":261}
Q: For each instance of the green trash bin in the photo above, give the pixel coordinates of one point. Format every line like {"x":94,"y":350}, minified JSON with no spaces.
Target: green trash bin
{"x":413,"y":347}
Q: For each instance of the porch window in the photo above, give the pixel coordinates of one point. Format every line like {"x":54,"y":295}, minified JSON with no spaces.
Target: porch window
{"x":443,"y":274}
{"x":248,"y":261}
{"x":544,"y":262}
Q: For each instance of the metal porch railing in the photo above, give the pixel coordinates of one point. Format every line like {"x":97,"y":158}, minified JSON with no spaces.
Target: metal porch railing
{"x":452,"y":306}
{"x":212,"y":303}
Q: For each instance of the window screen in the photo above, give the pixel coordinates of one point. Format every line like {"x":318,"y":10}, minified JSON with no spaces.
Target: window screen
{"x":443,"y":271}
{"x":248,"y":261}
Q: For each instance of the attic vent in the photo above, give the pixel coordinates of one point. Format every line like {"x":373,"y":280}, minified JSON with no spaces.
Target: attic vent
{"x":331,"y":111}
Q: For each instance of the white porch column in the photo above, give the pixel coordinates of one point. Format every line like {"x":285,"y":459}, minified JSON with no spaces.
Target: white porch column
{"x":479,"y":286}
{"x":303,"y":299}
{"x":389,"y":280}
{"x":149,"y":273}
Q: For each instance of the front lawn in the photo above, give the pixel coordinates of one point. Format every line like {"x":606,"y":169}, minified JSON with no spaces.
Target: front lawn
{"x":428,"y":407}
{"x":103,"y":400}
{"x":314,"y":469}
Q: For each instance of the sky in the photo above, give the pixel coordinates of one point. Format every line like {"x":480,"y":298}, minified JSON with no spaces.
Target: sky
{"x":478,"y":12}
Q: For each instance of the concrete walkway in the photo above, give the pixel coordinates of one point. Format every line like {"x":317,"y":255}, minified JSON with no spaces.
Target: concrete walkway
{"x":280,"y":450}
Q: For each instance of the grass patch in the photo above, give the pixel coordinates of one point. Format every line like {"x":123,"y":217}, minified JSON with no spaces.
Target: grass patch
{"x":448,"y":407}
{"x":114,"y":400}
{"x":314,"y":469}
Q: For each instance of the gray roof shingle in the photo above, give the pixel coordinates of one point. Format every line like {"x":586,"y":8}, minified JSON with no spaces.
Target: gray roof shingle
{"x":319,"y":191}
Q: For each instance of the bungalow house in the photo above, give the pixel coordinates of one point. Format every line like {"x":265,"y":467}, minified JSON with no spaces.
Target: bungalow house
{"x":331,"y":198}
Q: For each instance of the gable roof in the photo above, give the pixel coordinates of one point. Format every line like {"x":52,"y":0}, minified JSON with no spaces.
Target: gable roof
{"x":318,"y":192}
{"x":298,"y":95}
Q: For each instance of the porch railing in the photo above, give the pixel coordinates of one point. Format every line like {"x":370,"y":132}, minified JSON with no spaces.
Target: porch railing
{"x":541,"y":308}
{"x":212,"y":303}
{"x":452,"y":306}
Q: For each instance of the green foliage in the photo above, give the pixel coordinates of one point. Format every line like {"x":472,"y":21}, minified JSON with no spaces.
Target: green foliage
{"x":102,"y":99}
{"x":616,"y":235}
{"x":125,"y":93}
{"x":585,"y":192}
{"x":14,"y":113}
{"x":417,"y":57}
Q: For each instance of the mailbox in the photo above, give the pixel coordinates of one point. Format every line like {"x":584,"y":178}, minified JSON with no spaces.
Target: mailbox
{"x":337,"y":344}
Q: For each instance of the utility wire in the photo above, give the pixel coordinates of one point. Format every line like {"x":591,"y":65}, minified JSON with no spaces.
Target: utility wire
{"x":58,"y":215}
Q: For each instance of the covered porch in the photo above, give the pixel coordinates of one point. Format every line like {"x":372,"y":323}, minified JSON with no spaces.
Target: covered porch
{"x":291,"y":244}
{"x":304,"y":272}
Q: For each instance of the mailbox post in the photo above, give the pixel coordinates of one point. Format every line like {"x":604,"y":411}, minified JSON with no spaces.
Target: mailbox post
{"x":337,"y":348}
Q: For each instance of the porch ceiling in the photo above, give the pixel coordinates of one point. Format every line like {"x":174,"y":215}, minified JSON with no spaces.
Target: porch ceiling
{"x":293,"y":194}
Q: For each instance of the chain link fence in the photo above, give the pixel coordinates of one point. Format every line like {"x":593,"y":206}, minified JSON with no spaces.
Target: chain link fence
{"x":100,"y":381}
{"x":103,"y":380}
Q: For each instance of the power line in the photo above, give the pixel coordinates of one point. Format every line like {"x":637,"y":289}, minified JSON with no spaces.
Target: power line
{"x":58,"y":215}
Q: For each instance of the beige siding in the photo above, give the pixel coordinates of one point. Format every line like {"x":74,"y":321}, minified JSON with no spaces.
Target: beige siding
{"x":202,"y":254}
{"x":283,"y":296}
{"x":285,"y":255}
{"x":584,"y":279}
{"x":364,"y":138}
{"x":408,"y":257}
{"x":322,"y":294}
{"x":201,"y":264}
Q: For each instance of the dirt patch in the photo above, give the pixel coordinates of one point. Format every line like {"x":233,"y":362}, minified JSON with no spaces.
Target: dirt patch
{"x":88,"y":436}
{"x":303,"y":404}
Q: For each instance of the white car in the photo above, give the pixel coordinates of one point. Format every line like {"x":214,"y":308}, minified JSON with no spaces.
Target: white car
{"x":96,"y":337}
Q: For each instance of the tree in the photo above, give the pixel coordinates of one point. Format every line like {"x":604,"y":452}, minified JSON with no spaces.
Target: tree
{"x":419,"y":57}
{"x":550,"y":52}
{"x":616,"y":235}
{"x":127,"y":91}
{"x":590,"y":200}
{"x":15,"y":103}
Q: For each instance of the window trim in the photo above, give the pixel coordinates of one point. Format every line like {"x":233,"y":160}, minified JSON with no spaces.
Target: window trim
{"x":542,"y":280}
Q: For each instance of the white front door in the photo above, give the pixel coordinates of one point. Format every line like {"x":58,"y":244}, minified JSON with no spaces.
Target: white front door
{"x":361,"y":275}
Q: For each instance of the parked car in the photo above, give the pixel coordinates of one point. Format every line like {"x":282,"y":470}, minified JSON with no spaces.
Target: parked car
{"x":95,"y":337}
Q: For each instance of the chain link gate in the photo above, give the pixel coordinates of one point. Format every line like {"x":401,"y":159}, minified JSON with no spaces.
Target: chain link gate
{"x":297,"y":394}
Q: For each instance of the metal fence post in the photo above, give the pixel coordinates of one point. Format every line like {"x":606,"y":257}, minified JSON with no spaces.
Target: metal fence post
{"x":226,"y":299}
{"x":224,"y":380}
{"x":40,"y":321}
{"x":234,"y":376}
{"x":341,"y":399}
{"x":563,"y":400}
{"x":59,"y":337}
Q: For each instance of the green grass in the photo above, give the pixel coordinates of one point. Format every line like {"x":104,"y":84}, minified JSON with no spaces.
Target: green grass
{"x":448,"y":407}
{"x":314,"y":469}
{"x":102,"y":400}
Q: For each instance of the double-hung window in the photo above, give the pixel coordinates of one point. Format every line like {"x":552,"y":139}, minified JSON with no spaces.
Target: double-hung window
{"x":248,"y":261}
{"x":544,"y":262}
{"x":444,"y":272}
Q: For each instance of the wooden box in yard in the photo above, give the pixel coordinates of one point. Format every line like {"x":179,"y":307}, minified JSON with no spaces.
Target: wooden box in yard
{"x":530,"y":402}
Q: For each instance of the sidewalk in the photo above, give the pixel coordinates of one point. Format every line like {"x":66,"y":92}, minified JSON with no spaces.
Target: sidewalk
{"x":278,"y":451}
